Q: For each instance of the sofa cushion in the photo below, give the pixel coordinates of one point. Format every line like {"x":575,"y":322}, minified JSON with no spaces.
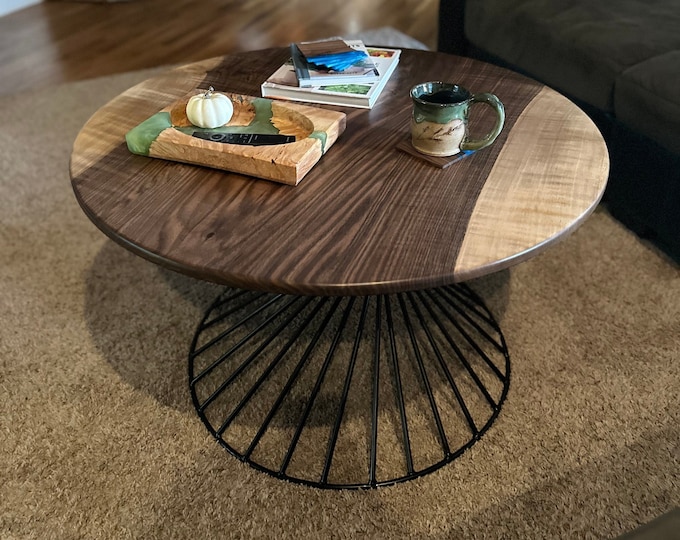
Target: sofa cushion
{"x":647,"y":99}
{"x":579,"y":46}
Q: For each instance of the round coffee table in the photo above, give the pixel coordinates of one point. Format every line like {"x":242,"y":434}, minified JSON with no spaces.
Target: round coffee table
{"x":346,"y":351}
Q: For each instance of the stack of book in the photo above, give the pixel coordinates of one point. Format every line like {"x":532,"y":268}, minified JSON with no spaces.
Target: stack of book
{"x":333,"y":72}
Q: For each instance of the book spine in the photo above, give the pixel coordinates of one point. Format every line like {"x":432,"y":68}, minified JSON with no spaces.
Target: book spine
{"x":299,"y":63}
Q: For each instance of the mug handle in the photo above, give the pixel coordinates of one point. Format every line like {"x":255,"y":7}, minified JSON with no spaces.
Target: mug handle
{"x":496,"y":104}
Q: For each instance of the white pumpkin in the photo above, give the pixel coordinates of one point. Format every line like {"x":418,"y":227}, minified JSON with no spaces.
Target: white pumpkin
{"x":210,"y":109}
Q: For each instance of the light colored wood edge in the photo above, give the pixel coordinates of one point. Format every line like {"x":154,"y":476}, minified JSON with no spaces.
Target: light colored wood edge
{"x":100,"y":136}
{"x":540,"y":189}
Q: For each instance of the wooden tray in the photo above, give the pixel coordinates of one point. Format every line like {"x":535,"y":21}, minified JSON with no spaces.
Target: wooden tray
{"x":167,"y":135}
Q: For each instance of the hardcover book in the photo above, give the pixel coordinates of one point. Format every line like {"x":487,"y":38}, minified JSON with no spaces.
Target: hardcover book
{"x":330,"y":53}
{"x":283,"y":84}
{"x":362,"y":69}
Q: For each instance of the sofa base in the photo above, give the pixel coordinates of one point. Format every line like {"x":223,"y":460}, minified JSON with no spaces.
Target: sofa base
{"x":644,"y":189}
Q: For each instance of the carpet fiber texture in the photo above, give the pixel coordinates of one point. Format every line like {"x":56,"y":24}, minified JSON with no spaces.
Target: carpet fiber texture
{"x":98,"y":437}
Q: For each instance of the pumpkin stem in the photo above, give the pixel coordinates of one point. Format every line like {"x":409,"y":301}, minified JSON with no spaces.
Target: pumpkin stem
{"x":209,"y":92}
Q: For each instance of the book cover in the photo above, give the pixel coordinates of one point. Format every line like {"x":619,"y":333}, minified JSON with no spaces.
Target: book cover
{"x":322,"y":47}
{"x":361,"y":70}
{"x":330,"y":53}
{"x":282,"y":84}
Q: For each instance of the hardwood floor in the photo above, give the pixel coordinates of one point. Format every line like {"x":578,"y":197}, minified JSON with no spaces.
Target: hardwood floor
{"x":65,"y":40}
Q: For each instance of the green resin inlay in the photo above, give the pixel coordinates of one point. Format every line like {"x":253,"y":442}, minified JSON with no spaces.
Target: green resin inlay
{"x":139,"y":138}
{"x":321,"y":136}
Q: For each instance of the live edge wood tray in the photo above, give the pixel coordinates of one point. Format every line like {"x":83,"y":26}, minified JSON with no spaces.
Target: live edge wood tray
{"x":168,"y":135}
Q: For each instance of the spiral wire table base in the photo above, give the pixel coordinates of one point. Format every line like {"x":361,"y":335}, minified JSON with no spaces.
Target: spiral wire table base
{"x":348,"y":392}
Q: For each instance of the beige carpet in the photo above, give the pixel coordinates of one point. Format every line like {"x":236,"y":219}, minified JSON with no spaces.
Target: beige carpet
{"x":98,"y":437}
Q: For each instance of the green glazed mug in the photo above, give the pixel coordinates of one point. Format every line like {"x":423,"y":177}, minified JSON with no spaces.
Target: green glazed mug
{"x":439,"y":123}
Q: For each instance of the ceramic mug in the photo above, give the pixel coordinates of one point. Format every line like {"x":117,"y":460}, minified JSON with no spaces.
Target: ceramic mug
{"x":439,"y":123}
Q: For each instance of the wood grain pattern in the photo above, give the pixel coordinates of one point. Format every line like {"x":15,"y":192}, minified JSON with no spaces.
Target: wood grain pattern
{"x":315,"y":130}
{"x":536,"y":186}
{"x":368,"y":218}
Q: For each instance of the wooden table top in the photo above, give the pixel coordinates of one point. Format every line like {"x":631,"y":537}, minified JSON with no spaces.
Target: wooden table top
{"x":368,"y":218}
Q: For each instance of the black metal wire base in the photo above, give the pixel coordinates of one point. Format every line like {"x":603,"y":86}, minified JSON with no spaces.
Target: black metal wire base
{"x":348,"y":392}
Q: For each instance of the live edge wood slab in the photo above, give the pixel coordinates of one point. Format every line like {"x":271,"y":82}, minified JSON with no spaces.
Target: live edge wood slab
{"x":367,"y":218}
{"x":168,"y":135}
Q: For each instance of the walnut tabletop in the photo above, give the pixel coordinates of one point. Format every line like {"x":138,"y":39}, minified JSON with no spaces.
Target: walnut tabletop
{"x":368,"y":218}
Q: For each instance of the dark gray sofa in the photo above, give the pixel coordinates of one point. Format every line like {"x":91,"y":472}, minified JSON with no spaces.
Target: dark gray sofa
{"x":617,"y":59}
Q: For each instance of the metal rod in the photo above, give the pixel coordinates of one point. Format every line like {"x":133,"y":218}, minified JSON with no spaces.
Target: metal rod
{"x":269,"y":369}
{"x":202,"y":325}
{"x":442,"y":328}
{"x":375,"y":389}
{"x":464,"y":298}
{"x":421,"y":367}
{"x":317,"y":386}
{"x":471,"y":341}
{"x":237,"y":325}
{"x":472,"y":322}
{"x":465,"y":289}
{"x":243,"y":341}
{"x":447,"y":371}
{"x":459,"y":353}
{"x":222,"y":301}
{"x":296,"y":372}
{"x":399,"y":391}
{"x":251,"y":358}
{"x":345,"y":390}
